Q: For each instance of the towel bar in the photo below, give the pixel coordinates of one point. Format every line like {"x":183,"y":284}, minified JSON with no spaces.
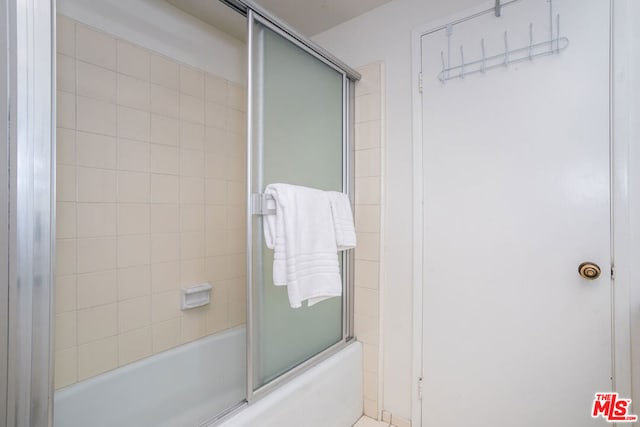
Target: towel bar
{"x":262,"y":204}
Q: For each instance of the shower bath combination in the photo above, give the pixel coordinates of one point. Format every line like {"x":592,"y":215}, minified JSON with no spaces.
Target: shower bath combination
{"x":160,"y":284}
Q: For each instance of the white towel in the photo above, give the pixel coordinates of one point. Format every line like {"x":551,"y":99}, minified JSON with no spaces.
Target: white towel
{"x":342,"y":220}
{"x":302,"y":235}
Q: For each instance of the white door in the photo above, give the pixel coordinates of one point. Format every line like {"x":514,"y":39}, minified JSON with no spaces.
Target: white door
{"x":516,"y":196}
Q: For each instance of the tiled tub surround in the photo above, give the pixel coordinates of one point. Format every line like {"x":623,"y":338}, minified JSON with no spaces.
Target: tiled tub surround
{"x":150,"y":199}
{"x":368,"y":171}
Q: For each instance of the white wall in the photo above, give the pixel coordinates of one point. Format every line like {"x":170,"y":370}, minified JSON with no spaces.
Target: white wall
{"x":634,"y":214}
{"x":385,"y":34}
{"x":158,"y":26}
{"x":626,"y":105}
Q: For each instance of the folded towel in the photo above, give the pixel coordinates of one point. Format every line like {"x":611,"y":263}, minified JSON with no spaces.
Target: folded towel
{"x":302,"y":235}
{"x":342,"y":220}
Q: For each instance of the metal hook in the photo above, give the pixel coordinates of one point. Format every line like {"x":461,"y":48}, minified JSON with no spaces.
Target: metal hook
{"x":449,"y":33}
{"x":462,"y":63}
{"x":550,"y":24}
{"x":558,"y":33}
{"x":484,"y":60}
{"x":530,"y":39}
{"x":506,"y":50}
{"x":498,"y":9}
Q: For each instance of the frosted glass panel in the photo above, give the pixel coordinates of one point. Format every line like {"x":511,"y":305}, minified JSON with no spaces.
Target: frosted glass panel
{"x":297,"y":139}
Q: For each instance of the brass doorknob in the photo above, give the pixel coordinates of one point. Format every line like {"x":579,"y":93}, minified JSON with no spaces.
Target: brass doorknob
{"x":589,"y":270}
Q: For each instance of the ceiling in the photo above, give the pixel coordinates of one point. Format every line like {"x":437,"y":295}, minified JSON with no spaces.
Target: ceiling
{"x":309,"y":17}
{"x":216,"y":14}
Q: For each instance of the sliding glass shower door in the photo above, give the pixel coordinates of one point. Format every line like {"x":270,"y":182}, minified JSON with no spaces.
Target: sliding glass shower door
{"x":297,"y":137}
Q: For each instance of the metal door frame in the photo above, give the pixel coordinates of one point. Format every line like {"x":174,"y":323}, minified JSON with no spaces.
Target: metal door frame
{"x":257,"y":15}
{"x":28,"y":201}
{"x":4,"y":210}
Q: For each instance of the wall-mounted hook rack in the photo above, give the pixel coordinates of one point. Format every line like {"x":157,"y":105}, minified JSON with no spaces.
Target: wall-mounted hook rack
{"x":555,"y":44}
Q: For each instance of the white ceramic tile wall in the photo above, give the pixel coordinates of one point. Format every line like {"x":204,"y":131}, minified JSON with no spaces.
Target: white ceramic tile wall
{"x":368,"y":171}
{"x":150,"y":181}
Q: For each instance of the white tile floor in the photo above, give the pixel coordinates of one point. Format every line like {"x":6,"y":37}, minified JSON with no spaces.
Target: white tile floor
{"x":370,"y":422}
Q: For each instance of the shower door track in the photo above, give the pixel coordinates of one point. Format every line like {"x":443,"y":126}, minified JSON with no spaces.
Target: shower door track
{"x":244,"y":6}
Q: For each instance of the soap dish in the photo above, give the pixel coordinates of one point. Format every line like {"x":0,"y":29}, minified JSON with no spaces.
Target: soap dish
{"x":196,"y":296}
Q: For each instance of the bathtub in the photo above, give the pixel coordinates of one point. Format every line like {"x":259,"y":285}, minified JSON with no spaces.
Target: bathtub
{"x":188,"y":385}
{"x":183,"y":386}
